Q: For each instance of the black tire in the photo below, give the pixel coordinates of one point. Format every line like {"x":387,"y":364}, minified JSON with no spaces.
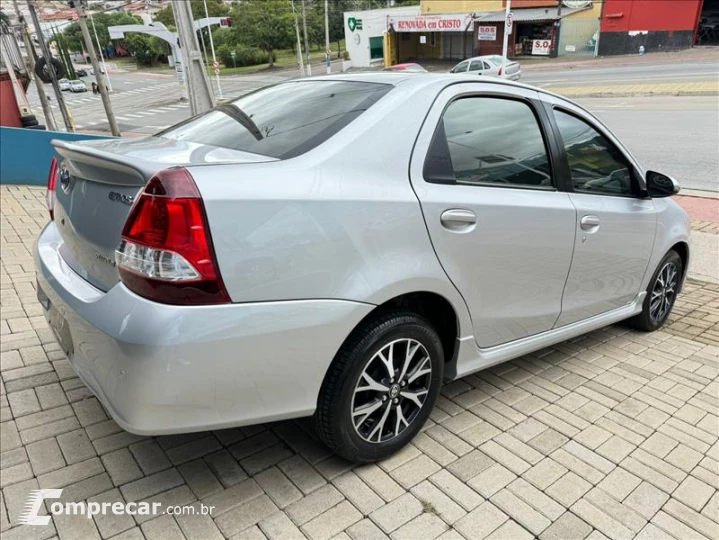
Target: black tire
{"x":649,"y":319}
{"x":333,"y":419}
{"x":28,"y":121}
{"x":43,"y":71}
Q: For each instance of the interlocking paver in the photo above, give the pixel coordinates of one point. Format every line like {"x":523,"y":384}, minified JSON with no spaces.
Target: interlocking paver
{"x":608,"y":435}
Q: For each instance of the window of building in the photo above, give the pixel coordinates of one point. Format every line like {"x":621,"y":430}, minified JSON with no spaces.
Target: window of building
{"x":596,"y":165}
{"x":489,"y":141}
{"x":376,"y":48}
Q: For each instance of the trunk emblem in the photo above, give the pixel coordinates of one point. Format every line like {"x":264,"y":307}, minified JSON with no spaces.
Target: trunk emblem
{"x":120,"y":197}
{"x":65,"y":180}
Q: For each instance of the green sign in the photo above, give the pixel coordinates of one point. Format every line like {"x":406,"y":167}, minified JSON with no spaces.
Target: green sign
{"x":354,"y":24}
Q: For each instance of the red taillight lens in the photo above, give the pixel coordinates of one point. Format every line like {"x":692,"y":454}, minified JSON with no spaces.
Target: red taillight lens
{"x":51,"y":185}
{"x":500,"y":72}
{"x":166,"y":252}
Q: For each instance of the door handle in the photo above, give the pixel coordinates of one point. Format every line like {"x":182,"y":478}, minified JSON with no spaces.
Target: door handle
{"x":458,"y":220}
{"x":589,"y":223}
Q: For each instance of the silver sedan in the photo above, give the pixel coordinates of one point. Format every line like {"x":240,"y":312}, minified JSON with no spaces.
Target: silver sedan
{"x":340,"y":247}
{"x":491,"y":66}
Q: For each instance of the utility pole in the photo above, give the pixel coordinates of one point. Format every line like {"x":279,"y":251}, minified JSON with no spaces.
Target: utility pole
{"x":198,"y":83}
{"x":307,"y":44}
{"x":102,"y":56}
{"x":99,"y":76}
{"x":214,"y":58}
{"x":299,"y":45}
{"x":50,"y":69}
{"x":505,"y":41}
{"x":327,"y":38}
{"x":30,"y":61}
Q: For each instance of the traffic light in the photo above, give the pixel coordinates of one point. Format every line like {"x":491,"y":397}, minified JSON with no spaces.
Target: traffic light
{"x":226,"y":22}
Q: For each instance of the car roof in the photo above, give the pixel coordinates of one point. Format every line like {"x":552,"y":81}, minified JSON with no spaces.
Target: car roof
{"x":419,"y":81}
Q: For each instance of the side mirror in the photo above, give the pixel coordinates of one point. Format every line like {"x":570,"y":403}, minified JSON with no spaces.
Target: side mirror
{"x":660,"y":185}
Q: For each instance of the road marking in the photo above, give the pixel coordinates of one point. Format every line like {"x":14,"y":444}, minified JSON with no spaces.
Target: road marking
{"x":133,"y":115}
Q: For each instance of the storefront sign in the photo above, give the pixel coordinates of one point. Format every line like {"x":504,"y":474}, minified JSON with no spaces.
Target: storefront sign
{"x":540,"y":47}
{"x":487,"y":33}
{"x":432,"y":23}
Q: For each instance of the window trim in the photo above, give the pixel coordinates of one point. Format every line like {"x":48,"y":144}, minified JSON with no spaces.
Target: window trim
{"x":636,"y":182}
{"x":539,"y":113}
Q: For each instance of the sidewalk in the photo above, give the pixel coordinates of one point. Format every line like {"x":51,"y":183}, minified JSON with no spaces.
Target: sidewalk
{"x":705,"y":88}
{"x":697,"y":54}
{"x":608,"y":435}
{"x":704,"y":215}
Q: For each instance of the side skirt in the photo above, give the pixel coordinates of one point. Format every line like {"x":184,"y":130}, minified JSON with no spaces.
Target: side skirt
{"x":472,"y":359}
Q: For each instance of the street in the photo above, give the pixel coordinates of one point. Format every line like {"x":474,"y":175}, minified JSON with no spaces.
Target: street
{"x":677,"y":135}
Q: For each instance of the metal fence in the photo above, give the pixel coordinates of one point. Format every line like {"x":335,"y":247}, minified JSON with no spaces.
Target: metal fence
{"x":578,"y":37}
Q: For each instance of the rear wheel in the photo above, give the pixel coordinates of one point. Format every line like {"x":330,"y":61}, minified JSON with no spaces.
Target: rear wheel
{"x":661,"y":294}
{"x":380,"y":388}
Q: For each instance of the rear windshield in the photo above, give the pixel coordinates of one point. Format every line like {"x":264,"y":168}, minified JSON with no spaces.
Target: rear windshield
{"x":497,"y":60}
{"x":281,"y":121}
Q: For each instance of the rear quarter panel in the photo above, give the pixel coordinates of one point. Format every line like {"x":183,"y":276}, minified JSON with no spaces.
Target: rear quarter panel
{"x":340,"y":222}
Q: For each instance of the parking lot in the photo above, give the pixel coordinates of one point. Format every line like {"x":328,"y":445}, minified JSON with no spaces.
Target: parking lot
{"x":610,"y":435}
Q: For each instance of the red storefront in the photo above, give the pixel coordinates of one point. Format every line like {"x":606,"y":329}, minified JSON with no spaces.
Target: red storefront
{"x":657,"y":25}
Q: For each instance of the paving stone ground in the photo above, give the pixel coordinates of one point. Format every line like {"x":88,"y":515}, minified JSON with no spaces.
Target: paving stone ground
{"x":610,"y":435}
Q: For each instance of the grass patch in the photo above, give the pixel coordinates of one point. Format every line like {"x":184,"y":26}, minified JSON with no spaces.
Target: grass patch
{"x":283,"y":58}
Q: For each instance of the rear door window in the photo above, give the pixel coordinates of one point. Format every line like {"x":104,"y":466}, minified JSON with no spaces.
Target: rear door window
{"x":476,"y":65}
{"x":281,"y":121}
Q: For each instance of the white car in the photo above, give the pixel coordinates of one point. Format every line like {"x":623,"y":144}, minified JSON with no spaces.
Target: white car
{"x":64,"y":84}
{"x":78,"y":86}
{"x":491,"y":65}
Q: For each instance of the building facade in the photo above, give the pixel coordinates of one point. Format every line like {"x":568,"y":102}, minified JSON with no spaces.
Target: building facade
{"x":456,"y":29}
{"x":658,"y":25}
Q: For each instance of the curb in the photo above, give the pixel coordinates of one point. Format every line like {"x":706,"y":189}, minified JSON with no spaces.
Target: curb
{"x":681,"y":93}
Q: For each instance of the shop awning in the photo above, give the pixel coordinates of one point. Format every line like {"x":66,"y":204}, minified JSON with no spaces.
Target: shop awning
{"x":530,"y":15}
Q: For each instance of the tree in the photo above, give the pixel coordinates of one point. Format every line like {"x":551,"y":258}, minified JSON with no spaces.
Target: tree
{"x":102,"y":21}
{"x":146,"y":49}
{"x":266,"y":24}
{"x":215,"y":8}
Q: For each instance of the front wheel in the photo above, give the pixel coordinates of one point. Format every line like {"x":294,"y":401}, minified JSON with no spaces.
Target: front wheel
{"x":661,"y":294}
{"x":380,"y":388}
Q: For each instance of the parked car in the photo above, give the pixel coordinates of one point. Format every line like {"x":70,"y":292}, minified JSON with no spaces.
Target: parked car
{"x":78,"y":86}
{"x":64,"y":84}
{"x":491,"y":65}
{"x":81,"y":72}
{"x":339,"y":247}
{"x":406,"y":68}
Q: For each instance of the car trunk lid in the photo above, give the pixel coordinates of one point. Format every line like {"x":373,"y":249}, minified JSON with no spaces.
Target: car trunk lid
{"x":100,"y":180}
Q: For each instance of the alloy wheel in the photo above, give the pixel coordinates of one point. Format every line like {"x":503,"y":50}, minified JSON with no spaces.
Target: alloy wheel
{"x":391,"y":390}
{"x":663,"y":292}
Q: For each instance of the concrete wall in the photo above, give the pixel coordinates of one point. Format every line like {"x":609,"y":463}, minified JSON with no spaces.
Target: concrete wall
{"x":374,"y":24}
{"x":25,"y":154}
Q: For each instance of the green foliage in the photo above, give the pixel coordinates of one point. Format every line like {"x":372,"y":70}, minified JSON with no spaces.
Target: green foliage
{"x":223,"y":36}
{"x":147,"y":50}
{"x":215,"y":8}
{"x":265,"y":24}
{"x":73,"y":35}
{"x":244,"y":56}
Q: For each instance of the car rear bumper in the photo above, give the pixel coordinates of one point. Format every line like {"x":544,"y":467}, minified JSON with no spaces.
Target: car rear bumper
{"x":162,"y":369}
{"x":514,"y":76}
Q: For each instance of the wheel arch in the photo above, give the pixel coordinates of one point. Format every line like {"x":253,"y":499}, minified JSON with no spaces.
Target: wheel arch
{"x":682,"y":249}
{"x":434,"y":307}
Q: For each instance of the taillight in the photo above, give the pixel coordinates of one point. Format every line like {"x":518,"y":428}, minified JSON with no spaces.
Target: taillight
{"x":500,"y":72}
{"x":51,"y":185}
{"x":166,"y":251}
